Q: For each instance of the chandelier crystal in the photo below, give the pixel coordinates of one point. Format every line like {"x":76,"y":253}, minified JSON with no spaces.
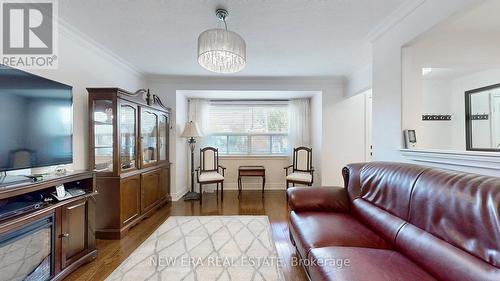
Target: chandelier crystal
{"x":221,"y":50}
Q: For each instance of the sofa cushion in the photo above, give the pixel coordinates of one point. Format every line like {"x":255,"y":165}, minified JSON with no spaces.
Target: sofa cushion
{"x":461,"y":209}
{"x":441,"y":259}
{"x":389,"y":185}
{"x":362,"y":264}
{"x":323,"y":229}
{"x":380,"y":221}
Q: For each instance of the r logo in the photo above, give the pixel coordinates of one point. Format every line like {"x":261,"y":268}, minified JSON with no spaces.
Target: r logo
{"x":27,"y":28}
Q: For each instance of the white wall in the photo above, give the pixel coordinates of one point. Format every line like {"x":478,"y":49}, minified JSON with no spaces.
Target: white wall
{"x":387,"y":72}
{"x":316,"y":132}
{"x":336,"y":140}
{"x":349,"y":144}
{"x":436,"y":99}
{"x":445,"y":47}
{"x":179,"y":150}
{"x":448,"y":97}
{"x":275,"y":174}
{"x":359,"y":81}
{"x":83,"y":64}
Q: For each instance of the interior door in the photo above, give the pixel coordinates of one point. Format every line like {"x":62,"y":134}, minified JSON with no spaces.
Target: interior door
{"x":495,"y":120}
{"x":74,"y":232}
{"x":368,"y":127}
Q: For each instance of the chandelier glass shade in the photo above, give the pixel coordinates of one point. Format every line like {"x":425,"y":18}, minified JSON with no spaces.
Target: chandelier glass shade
{"x":221,"y":51}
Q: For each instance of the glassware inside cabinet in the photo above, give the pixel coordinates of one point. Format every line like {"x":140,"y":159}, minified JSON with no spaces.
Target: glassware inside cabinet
{"x":163,"y":137}
{"x":149,"y":137}
{"x":128,"y":124}
{"x":103,"y":135}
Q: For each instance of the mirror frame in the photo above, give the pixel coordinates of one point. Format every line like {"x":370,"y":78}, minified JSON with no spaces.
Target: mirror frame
{"x":468,"y":121}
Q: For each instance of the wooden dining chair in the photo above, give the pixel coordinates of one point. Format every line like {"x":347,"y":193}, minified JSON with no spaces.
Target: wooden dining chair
{"x":302,"y":171}
{"x":209,"y":171}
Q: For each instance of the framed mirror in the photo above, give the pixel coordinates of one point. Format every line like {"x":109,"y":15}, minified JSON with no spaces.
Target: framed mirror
{"x":482,"y":107}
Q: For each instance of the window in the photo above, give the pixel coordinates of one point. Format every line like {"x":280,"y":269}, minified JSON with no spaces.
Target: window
{"x":251,"y":128}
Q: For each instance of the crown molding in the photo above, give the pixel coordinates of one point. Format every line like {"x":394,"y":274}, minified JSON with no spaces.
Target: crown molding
{"x":393,"y":19}
{"x":76,"y":35}
{"x":293,"y":80}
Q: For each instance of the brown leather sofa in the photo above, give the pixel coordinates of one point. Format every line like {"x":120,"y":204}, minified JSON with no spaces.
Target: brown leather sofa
{"x":399,"y":222}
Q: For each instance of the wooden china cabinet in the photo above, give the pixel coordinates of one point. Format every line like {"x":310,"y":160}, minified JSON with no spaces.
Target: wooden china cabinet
{"x":128,"y":150}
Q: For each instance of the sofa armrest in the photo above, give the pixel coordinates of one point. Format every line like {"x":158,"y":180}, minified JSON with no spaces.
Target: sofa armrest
{"x":318,"y":199}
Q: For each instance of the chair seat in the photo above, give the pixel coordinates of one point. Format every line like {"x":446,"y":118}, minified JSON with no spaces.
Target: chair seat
{"x":363,"y":264}
{"x":300,"y":177}
{"x":210,"y":176}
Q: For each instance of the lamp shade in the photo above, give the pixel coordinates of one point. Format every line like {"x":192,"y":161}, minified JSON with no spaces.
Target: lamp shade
{"x":191,"y":130}
{"x":221,"y":51}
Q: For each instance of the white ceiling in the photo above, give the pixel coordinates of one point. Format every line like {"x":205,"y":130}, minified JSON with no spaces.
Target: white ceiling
{"x":482,"y":18}
{"x":284,"y":37}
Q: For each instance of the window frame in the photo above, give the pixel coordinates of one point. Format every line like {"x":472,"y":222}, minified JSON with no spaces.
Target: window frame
{"x":250,"y":135}
{"x":249,"y":144}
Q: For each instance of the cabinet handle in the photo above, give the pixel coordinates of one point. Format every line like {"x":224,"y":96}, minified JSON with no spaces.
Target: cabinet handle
{"x":65,"y":235}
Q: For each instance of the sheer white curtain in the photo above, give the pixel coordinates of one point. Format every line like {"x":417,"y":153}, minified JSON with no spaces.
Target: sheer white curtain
{"x":198,"y":112}
{"x":299,"y":122}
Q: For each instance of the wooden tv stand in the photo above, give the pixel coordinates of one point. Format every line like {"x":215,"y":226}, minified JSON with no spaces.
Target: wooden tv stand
{"x":72,"y":220}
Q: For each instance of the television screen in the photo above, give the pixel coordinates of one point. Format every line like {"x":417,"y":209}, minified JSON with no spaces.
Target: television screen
{"x":36,"y":120}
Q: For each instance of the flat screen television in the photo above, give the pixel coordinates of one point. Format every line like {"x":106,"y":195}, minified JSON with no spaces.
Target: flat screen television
{"x":36,"y":121}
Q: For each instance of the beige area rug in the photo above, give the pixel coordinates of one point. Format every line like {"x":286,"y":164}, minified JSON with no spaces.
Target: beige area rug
{"x":207,"y":248}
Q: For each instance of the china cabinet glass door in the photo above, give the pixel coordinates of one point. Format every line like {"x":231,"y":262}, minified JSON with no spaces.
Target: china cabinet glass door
{"x":128,"y":125}
{"x":103,"y":135}
{"x":149,"y":137}
{"x":163,"y":137}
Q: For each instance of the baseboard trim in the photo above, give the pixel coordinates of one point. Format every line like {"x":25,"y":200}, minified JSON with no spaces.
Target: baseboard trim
{"x":246,"y":186}
{"x":178,"y":195}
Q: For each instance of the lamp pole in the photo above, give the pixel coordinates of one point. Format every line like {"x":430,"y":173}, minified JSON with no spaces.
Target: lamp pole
{"x":192,"y":195}
{"x":191,"y":132}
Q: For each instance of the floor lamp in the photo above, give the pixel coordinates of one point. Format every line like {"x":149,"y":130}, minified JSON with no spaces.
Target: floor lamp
{"x":191,"y":132}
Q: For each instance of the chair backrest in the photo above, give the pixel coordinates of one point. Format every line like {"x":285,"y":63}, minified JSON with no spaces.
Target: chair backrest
{"x":302,"y":159}
{"x":209,"y":159}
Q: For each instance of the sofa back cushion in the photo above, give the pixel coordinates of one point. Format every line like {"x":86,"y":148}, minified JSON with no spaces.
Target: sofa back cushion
{"x":389,"y":185}
{"x":447,"y":222}
{"x":380,"y":194}
{"x":462,"y":209}
{"x":386,"y":185}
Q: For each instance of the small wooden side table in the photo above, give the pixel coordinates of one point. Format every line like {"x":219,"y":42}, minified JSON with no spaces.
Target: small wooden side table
{"x":251,"y":171}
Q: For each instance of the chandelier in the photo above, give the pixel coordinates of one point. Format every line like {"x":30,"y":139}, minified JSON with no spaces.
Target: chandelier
{"x":221,"y":50}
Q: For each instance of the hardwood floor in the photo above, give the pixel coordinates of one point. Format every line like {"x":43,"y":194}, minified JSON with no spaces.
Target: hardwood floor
{"x":273,"y":204}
